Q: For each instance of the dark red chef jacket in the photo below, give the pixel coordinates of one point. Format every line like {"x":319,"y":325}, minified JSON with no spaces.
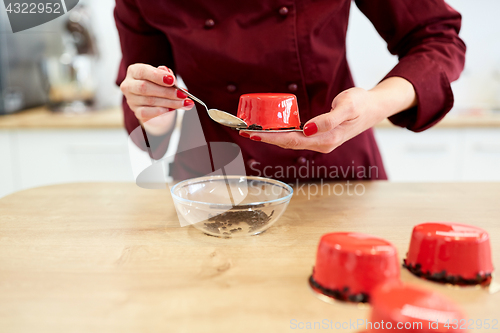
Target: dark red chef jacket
{"x":223,"y":49}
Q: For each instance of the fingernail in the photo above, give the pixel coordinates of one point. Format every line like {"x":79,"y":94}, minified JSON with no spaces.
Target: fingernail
{"x":244,"y":134}
{"x":170,"y":109}
{"x":180,"y":94}
{"x":168,"y":79}
{"x":256,"y":138}
{"x":188,"y":102}
{"x":310,"y":129}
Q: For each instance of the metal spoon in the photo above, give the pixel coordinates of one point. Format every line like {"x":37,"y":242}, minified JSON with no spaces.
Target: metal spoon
{"x":218,"y":116}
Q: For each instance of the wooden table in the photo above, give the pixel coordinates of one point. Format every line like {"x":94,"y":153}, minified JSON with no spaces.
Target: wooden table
{"x":112,"y":258}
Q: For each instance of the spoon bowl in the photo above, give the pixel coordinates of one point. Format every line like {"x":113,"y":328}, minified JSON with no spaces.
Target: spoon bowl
{"x":226,"y":119}
{"x":221,"y":117}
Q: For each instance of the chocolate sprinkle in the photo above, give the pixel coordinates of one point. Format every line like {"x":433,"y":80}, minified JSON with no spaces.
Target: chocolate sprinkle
{"x":255,"y":127}
{"x":341,"y":295}
{"x":255,"y":220}
{"x":442,"y":277}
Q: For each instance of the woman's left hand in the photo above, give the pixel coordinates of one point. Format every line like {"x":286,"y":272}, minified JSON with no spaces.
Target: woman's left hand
{"x":353,"y":111}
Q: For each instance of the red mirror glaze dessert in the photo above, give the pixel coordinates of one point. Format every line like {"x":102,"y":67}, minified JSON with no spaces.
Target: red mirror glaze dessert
{"x":269,"y":111}
{"x":349,"y":265}
{"x":417,"y":310}
{"x":450,"y":252}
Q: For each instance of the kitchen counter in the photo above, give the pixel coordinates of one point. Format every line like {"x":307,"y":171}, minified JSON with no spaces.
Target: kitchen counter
{"x":111,"y":257}
{"x":41,"y":118}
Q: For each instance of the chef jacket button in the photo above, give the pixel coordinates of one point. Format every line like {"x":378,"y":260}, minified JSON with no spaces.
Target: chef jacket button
{"x":302,"y":160}
{"x":283,"y":11}
{"x":209,"y":24}
{"x":293,"y":87}
{"x":231,"y":88}
{"x":251,"y":162}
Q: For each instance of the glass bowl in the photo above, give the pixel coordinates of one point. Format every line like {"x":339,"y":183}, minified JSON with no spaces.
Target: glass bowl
{"x":230,"y":206}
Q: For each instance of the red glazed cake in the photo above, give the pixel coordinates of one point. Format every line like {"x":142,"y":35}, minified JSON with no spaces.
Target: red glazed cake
{"x":450,"y":252}
{"x":269,"y":111}
{"x":410,"y":309}
{"x":349,"y":265}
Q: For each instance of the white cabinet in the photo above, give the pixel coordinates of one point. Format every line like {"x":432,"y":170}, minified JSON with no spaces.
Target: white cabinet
{"x":44,"y":157}
{"x":440,"y":154}
{"x":6,"y":168}
{"x":30,"y":158}
{"x":482,"y":155}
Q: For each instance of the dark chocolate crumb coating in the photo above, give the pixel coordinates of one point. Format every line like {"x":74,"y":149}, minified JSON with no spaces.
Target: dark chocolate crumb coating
{"x":443,"y":277}
{"x":254,"y":127}
{"x":341,"y":295}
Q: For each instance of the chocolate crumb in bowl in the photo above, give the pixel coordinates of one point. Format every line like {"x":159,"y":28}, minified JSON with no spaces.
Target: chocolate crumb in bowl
{"x":254,"y":204}
{"x":251,"y":220}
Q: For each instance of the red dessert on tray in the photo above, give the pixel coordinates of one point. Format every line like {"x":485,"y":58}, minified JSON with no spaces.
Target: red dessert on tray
{"x":349,"y":265}
{"x":405,"y":308}
{"x":269,"y":111}
{"x":450,"y":252}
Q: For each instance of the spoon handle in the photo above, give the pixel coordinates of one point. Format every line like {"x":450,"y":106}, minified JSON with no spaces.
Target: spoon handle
{"x":190,"y":95}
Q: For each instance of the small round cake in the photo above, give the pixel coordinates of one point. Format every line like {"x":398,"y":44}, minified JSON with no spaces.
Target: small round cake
{"x":450,"y":252}
{"x":409,"y":309}
{"x":349,"y":265}
{"x":269,"y":111}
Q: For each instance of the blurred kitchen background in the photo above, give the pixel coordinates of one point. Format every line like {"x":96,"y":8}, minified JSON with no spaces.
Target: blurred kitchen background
{"x":70,"y":65}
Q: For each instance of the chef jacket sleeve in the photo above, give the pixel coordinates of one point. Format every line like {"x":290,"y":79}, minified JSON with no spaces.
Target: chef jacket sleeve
{"x":424,"y":35}
{"x":141,"y":43}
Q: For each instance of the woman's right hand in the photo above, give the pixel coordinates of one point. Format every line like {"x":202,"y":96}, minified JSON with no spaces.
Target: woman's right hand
{"x":151,"y":97}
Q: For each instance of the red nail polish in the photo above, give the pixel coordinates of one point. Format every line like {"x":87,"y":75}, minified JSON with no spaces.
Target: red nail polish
{"x":168,"y":79}
{"x":244,"y":134}
{"x":256,"y":138}
{"x":170,"y":109}
{"x":188,"y":102}
{"x":180,"y":94}
{"x":310,"y":129}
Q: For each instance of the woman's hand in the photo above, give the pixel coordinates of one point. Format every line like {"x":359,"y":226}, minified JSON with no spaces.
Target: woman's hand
{"x":150,"y":96}
{"x":353,"y":111}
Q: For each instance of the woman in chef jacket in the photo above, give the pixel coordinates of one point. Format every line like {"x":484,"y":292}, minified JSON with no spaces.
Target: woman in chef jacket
{"x":223,"y":49}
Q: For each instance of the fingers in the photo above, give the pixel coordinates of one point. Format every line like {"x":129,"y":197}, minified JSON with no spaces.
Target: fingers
{"x":166,"y":69}
{"x":149,"y":94}
{"x":149,"y":101}
{"x":160,"y":124}
{"x":343,"y":109}
{"x":292,"y":140}
{"x":147,"y":88}
{"x":146,"y":113}
{"x":160,"y":76}
{"x":328,"y":121}
{"x":323,"y":143}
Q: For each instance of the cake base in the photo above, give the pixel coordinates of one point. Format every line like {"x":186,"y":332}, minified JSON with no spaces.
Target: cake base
{"x":340,"y":295}
{"x":442,"y":277}
{"x":255,"y":127}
